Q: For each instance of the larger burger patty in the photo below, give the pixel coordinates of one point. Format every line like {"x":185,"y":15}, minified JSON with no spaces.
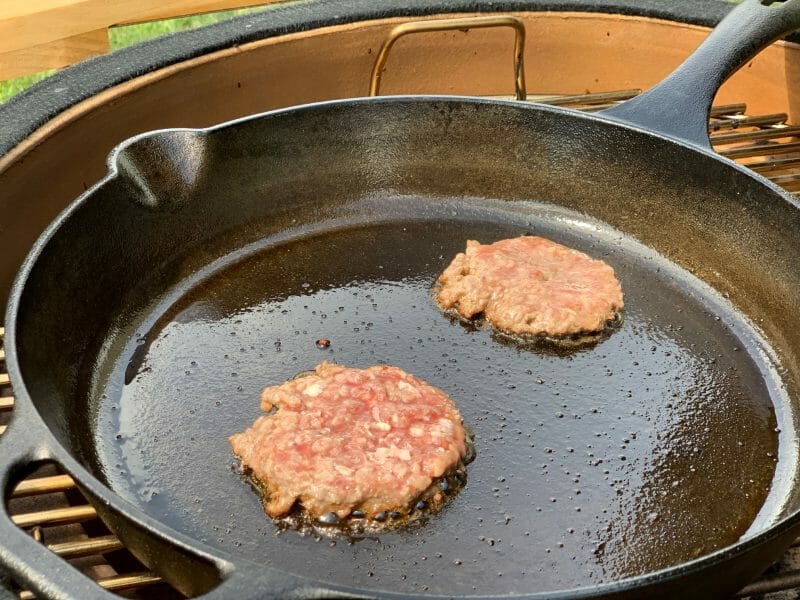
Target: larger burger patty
{"x":531,"y":285}
{"x":346,"y":441}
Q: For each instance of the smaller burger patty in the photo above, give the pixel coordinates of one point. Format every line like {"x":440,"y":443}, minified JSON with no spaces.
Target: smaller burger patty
{"x":531,"y":285}
{"x":352,"y":442}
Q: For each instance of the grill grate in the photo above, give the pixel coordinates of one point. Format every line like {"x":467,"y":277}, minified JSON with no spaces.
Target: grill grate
{"x":50,"y":507}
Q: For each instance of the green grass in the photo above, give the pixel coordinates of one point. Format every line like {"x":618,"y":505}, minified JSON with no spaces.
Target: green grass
{"x":120,"y":37}
{"x":14,"y":86}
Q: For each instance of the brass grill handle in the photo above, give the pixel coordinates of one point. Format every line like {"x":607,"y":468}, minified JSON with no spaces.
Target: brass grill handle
{"x":462,"y":24}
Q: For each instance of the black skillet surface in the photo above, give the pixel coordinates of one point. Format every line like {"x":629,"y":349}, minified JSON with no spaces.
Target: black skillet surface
{"x":590,"y":463}
{"x":329,"y":196}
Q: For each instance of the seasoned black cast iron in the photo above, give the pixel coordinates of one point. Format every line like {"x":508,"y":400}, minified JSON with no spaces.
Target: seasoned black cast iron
{"x":658,"y":462}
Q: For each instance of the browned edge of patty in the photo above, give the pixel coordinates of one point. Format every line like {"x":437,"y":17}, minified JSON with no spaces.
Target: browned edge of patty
{"x":546,"y":344}
{"x":426,"y":504}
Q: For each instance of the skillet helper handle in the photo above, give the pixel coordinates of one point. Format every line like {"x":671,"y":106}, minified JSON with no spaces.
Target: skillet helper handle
{"x":27,"y":442}
{"x":462,"y":24}
{"x":29,"y":561}
{"x":47,"y":575}
{"x":680,"y":105}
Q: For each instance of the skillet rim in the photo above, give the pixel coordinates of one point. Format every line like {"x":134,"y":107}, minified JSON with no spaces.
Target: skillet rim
{"x":227,"y":563}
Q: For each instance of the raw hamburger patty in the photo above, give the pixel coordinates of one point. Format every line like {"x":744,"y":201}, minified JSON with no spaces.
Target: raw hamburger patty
{"x":351,"y":439}
{"x":530,"y":285}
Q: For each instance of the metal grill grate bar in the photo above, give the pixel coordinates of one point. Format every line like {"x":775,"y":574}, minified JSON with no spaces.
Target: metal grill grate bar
{"x":43,"y":485}
{"x":738,"y":121}
{"x":761,"y":150}
{"x":759,"y":134}
{"x":116,"y":583}
{"x":773,"y":583}
{"x":7,"y":403}
{"x":55,"y":516}
{"x":88,"y":547}
{"x":775,"y":165}
{"x":724,"y":110}
{"x":790,"y":183}
{"x":598,"y":98}
{"x":596,"y":107}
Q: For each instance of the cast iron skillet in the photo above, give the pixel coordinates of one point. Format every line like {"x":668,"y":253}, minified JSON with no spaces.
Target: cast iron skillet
{"x":655,"y":461}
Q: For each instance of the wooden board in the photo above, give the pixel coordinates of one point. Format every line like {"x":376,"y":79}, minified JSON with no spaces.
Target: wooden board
{"x":53,"y":55}
{"x":32,"y":23}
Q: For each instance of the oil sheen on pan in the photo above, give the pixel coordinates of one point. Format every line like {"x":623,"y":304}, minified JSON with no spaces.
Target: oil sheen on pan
{"x":650,"y":447}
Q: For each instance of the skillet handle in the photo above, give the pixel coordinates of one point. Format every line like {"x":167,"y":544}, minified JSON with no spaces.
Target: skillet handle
{"x":680,"y":105}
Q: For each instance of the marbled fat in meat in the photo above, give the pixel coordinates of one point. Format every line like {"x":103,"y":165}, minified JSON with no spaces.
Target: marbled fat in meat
{"x":345,"y":439}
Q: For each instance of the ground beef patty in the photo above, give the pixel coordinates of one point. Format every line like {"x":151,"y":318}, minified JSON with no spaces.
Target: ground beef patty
{"x":351,"y":440}
{"x":530,"y":285}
